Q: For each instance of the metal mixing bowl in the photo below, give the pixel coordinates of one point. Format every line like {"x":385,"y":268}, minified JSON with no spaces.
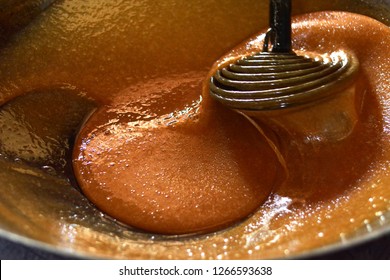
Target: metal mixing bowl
{"x":42,"y":210}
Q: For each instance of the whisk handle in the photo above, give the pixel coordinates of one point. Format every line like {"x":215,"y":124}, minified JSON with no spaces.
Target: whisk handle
{"x":280,"y":24}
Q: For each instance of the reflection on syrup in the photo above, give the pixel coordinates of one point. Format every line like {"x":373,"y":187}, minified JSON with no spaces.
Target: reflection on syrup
{"x":320,"y":141}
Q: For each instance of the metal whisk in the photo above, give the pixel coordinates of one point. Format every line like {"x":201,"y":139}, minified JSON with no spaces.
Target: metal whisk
{"x":280,"y":78}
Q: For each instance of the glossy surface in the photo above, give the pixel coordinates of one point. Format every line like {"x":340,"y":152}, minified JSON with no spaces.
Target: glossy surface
{"x":39,"y":127}
{"x":40,"y":209}
{"x":16,"y":14}
{"x":168,"y":162}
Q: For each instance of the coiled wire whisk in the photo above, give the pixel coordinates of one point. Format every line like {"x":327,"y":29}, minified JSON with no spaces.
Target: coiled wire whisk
{"x":281,"y":78}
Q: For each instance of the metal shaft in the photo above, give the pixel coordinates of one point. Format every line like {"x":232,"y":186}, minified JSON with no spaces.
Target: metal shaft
{"x":280,"y":24}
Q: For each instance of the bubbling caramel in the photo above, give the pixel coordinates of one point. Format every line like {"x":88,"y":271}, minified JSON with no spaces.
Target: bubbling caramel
{"x":166,"y":162}
{"x":164,"y":158}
